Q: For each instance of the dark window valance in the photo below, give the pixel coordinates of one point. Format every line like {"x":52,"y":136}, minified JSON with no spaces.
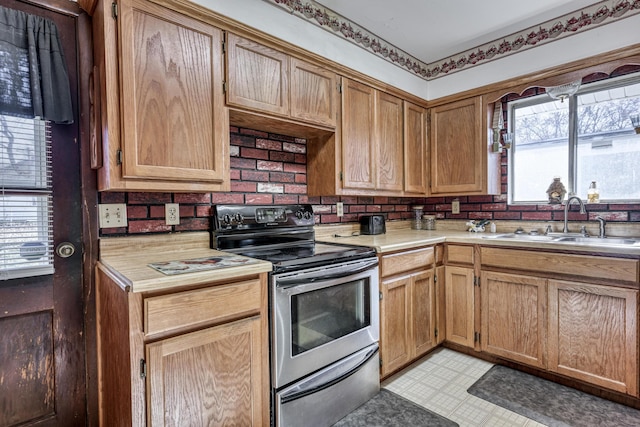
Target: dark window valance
{"x":33,"y":74}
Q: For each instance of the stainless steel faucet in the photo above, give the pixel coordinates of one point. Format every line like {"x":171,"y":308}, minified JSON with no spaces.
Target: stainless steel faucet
{"x":602,"y":223}
{"x":566,"y":211}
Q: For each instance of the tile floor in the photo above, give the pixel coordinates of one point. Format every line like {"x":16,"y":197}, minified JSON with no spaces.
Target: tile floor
{"x":439,"y":382}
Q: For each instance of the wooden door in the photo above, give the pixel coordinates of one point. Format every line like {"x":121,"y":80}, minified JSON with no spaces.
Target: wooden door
{"x":593,"y":334}
{"x":209,"y":377}
{"x":173,"y":117}
{"x":42,"y":349}
{"x":395,"y":324}
{"x":460,"y":310}
{"x":423,"y":312}
{"x":457,"y":147}
{"x":358,"y":136}
{"x":389,"y":146}
{"x":314,"y":93}
{"x":257,"y":76}
{"x":415,"y":149}
{"x":513,"y":317}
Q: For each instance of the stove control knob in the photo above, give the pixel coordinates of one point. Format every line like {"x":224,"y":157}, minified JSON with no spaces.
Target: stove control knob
{"x":307,"y":215}
{"x":226,"y":219}
{"x":300,"y":214}
{"x":238,"y":218}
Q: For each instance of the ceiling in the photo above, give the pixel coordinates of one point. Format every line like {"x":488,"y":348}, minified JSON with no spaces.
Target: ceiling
{"x":431,"y":30}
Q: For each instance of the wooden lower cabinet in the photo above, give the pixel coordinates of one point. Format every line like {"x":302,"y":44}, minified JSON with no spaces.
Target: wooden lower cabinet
{"x":408,"y":310}
{"x":208,"y":377}
{"x":408,"y":319}
{"x":513,"y":322}
{"x":593,"y":334}
{"x":460,"y":306}
{"x":186,"y":356}
{"x":583,"y":327}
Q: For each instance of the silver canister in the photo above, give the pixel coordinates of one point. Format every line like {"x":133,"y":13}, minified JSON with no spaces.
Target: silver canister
{"x":416,"y":221}
{"x":428,"y":222}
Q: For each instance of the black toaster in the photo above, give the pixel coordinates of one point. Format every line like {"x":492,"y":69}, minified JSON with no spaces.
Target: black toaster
{"x":372,"y":224}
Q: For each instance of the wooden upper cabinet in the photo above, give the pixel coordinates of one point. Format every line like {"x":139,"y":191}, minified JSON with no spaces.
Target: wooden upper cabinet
{"x":460,"y":159}
{"x":372,"y":146}
{"x":313,"y":93}
{"x":388,"y":140}
{"x":174,"y":128}
{"x":415,"y":149}
{"x":257,"y":76}
{"x":358,"y":136}
{"x":261,"y":79}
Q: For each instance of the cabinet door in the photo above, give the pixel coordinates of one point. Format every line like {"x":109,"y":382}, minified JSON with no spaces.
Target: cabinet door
{"x":390,"y":151}
{"x":423,"y":312}
{"x":209,"y":377}
{"x":395,"y":324}
{"x":415,"y":149}
{"x":593,"y":334}
{"x":513,"y":317}
{"x":457,"y":148}
{"x":460,"y":305}
{"x":358,"y":136}
{"x":173,"y":119}
{"x":257,"y":76}
{"x":313,"y":93}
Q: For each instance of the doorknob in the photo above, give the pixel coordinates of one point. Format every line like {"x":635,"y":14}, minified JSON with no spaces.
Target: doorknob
{"x":65,"y":249}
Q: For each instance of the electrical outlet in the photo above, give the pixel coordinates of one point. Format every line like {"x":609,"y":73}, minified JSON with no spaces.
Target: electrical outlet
{"x":112,"y":215}
{"x":340,"y":209}
{"x":172,"y":213}
{"x":455,"y":207}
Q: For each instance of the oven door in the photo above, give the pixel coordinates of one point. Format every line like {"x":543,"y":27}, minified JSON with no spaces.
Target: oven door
{"x":321,"y":315}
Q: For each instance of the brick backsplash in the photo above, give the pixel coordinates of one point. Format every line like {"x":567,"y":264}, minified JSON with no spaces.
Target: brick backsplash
{"x":271,"y":169}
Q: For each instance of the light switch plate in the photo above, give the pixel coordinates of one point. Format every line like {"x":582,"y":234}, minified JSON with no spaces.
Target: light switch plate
{"x":340,"y":209}
{"x":112,"y":215}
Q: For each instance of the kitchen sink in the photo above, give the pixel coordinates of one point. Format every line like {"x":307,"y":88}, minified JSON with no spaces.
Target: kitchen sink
{"x":598,"y":241}
{"x":591,"y":241}
{"x":521,"y":236}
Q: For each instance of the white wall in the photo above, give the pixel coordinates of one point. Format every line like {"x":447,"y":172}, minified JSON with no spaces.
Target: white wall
{"x":277,"y":22}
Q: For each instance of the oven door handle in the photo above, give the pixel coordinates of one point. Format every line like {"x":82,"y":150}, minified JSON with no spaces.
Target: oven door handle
{"x":331,"y":376}
{"x":295,"y":281}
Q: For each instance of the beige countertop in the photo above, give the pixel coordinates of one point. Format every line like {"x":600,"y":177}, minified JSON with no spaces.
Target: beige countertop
{"x":126,"y":259}
{"x":399,"y":237}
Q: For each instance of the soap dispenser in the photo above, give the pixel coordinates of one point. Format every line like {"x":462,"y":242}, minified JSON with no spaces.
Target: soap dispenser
{"x":593,"y":194}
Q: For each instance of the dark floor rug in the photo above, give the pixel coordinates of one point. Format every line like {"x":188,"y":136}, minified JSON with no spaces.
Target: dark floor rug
{"x":550,"y":403}
{"x":387,"y":409}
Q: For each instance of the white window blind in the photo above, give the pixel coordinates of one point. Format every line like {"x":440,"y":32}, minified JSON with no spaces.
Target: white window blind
{"x":26,"y":217}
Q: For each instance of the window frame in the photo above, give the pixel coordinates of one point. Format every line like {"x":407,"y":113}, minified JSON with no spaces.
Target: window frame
{"x":572,"y":135}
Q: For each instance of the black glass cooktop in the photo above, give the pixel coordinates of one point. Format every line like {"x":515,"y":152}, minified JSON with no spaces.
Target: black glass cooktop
{"x":307,"y":255}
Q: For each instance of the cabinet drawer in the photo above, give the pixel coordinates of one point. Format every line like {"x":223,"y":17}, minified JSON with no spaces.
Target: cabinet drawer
{"x":459,"y":254}
{"x":406,"y":261}
{"x":201,"y":306}
{"x":549,"y":262}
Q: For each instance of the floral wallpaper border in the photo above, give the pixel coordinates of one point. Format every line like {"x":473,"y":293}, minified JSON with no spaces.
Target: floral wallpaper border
{"x":601,"y":13}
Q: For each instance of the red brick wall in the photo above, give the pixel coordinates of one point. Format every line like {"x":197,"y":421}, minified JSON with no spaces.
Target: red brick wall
{"x":271,"y":169}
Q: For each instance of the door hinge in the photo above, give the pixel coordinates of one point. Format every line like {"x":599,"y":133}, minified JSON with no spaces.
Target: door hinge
{"x":435,"y":332}
{"x":119,"y":157}
{"x":224,"y":43}
{"x":224,"y":87}
{"x":339,"y":87}
{"x":143,"y":369}
{"x":476,"y":281}
{"x":340,"y":176}
{"x":435,"y":278}
{"x":380,"y":296}
{"x":114,"y":10}
{"x":476,"y":337}
{"x":381,"y":362}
